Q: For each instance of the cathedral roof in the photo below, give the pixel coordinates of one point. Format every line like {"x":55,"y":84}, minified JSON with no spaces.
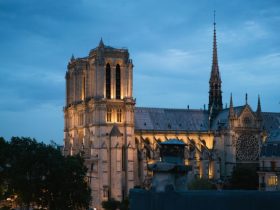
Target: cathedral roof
{"x":273,"y":136}
{"x":162,"y":119}
{"x":107,"y":48}
{"x":271,"y":150}
{"x":222,"y":118}
{"x":271,"y":121}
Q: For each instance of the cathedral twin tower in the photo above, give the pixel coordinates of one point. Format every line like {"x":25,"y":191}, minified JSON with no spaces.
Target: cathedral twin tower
{"x":99,"y":119}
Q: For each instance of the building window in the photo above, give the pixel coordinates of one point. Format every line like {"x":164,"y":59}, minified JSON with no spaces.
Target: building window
{"x":105,"y":192}
{"x":109,"y":115}
{"x":119,"y":115}
{"x":272,"y":181}
{"x":273,"y":165}
{"x":118,"y":82}
{"x":108,"y":81}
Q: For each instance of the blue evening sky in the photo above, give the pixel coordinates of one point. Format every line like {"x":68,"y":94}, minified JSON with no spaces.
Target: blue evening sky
{"x":170,"y":43}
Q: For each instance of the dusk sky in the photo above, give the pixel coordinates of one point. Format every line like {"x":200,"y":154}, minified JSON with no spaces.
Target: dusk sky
{"x":170,"y":43}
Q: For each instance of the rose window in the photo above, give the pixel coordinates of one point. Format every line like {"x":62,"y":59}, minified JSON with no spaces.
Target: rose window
{"x":247,"y":147}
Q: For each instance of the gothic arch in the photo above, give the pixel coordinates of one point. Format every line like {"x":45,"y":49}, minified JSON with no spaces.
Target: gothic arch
{"x":118,"y":81}
{"x":108,"y":81}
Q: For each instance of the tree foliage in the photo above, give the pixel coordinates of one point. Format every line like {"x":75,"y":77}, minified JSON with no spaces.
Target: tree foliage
{"x":112,"y":204}
{"x":3,"y":160}
{"x":40,"y":176}
{"x":200,"y":184}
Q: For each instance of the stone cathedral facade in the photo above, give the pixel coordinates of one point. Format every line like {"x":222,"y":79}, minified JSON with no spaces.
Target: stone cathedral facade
{"x":119,"y":140}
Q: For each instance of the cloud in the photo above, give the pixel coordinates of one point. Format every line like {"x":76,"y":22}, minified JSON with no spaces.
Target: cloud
{"x":164,"y":91}
{"x":256,"y":75}
{"x":29,"y":85}
{"x":43,"y":123}
{"x":242,"y":34}
{"x":170,"y":44}
{"x":172,"y":61}
{"x":251,"y":70}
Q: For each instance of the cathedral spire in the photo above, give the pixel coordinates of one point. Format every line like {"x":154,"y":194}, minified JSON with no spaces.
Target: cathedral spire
{"x":215,"y":66}
{"x":215,"y":82}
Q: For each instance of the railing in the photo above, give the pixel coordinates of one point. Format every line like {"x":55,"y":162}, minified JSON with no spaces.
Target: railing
{"x":268,"y":169}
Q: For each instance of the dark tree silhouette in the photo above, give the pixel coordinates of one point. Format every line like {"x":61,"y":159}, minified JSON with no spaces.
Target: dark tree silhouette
{"x":39,"y":175}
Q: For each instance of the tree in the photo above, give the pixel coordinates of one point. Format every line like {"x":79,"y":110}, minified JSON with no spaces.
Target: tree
{"x":40,"y":176}
{"x":124,"y":204}
{"x":67,"y":188}
{"x":111,"y":204}
{"x":4,"y":151}
{"x":200,"y":184}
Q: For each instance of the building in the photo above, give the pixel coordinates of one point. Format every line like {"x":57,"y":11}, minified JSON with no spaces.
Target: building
{"x":119,"y":139}
{"x":269,"y":164}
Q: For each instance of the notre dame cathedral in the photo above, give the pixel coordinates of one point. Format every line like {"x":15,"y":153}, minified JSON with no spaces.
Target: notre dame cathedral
{"x":119,"y":139}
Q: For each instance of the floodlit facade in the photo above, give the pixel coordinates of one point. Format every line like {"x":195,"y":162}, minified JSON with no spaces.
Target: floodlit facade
{"x":119,"y":140}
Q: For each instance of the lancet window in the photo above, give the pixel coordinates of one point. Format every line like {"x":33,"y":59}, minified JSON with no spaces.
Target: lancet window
{"x":118,"y":82}
{"x":108,"y":81}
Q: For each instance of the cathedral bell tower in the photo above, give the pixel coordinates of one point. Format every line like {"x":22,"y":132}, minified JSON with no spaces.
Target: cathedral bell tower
{"x":99,"y":120}
{"x":215,"y":83}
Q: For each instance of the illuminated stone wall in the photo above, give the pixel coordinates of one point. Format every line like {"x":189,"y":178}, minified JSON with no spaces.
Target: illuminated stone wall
{"x":101,"y":127}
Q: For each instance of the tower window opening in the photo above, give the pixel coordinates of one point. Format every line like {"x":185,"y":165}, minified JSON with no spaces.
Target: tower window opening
{"x":118,"y":82}
{"x":119,"y":115}
{"x":109,"y":115}
{"x":108,"y":81}
{"x":216,"y":87}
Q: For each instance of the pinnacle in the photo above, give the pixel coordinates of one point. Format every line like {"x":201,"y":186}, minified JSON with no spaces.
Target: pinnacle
{"x":259,"y":109}
{"x":72,"y":57}
{"x":101,"y":44}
